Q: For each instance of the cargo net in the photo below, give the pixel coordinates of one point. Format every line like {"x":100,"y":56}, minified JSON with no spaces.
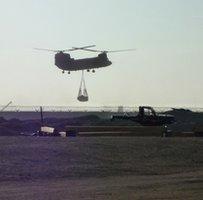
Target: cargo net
{"x":82,"y":94}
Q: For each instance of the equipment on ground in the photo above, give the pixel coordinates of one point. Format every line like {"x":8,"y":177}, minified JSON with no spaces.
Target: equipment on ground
{"x":147,"y":117}
{"x":64,"y":62}
{"x":45,"y":130}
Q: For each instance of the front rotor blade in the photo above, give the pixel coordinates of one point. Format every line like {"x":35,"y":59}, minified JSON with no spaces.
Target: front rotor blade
{"x":51,"y":50}
{"x":72,"y":49}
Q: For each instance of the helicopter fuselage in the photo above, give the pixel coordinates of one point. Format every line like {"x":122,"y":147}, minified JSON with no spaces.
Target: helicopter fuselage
{"x":65,"y":62}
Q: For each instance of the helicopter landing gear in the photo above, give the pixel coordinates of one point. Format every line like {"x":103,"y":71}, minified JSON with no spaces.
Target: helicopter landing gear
{"x":88,"y":70}
{"x":63,"y":72}
{"x":68,"y":72}
{"x":93,"y":71}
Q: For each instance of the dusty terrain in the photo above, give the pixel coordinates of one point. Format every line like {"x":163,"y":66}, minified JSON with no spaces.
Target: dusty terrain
{"x":100,"y":168}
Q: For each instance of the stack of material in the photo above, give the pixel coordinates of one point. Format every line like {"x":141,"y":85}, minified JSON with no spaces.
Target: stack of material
{"x":82,"y":94}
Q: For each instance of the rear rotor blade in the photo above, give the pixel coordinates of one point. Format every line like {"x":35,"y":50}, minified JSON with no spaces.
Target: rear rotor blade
{"x":81,"y":48}
{"x":85,"y":47}
{"x":98,"y":51}
{"x":122,"y":50}
{"x":91,"y":50}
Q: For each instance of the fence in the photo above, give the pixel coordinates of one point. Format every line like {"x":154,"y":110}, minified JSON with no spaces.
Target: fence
{"x":17,"y":108}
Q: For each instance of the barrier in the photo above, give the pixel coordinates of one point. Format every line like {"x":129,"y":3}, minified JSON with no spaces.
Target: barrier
{"x":156,"y":131}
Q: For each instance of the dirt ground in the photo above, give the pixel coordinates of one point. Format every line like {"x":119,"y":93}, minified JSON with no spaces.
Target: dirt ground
{"x":100,"y":168}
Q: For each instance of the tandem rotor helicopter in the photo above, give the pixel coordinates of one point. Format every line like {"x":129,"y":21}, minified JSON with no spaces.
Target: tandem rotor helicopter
{"x":64,"y":61}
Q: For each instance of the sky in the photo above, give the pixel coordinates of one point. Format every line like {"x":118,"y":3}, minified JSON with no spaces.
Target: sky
{"x":165,"y":70}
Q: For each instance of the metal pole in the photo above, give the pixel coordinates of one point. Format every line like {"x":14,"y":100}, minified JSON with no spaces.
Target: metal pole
{"x":41,"y":113}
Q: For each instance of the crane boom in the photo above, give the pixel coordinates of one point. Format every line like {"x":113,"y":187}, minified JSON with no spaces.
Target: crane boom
{"x":6,"y":106}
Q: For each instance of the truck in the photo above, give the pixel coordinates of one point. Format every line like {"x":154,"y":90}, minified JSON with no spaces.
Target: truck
{"x":147,"y":117}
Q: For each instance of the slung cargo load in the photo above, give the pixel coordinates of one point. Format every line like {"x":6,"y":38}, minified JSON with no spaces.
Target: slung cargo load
{"x":82,"y":94}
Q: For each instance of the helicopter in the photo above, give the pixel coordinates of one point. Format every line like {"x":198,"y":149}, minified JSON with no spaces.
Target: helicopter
{"x":64,"y":61}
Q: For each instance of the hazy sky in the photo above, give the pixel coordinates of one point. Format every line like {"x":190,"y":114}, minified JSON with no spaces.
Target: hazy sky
{"x":166,"y":69}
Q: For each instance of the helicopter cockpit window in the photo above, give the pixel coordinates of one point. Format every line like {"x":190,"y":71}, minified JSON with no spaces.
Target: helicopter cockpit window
{"x":103,"y":56}
{"x":67,"y":56}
